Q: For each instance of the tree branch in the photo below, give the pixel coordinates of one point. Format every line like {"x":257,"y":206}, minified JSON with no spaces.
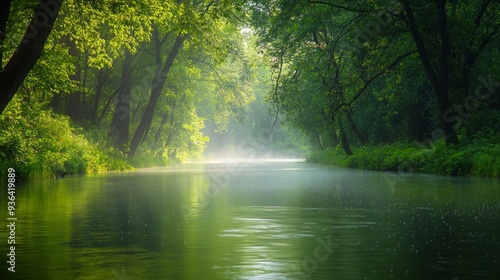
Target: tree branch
{"x":373,"y":78}
{"x":422,"y":51}
{"x":350,"y":9}
{"x":28,"y":51}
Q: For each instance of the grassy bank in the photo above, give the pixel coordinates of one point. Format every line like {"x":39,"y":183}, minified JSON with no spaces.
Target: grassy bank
{"x":478,"y":158}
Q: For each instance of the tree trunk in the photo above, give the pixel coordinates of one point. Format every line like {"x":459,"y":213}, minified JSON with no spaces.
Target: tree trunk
{"x":335,"y":138}
{"x":98,"y":93}
{"x":119,"y":130}
{"x":73,"y":105}
{"x":106,"y":107}
{"x":55,"y":102}
{"x":444,"y":104}
{"x":439,"y":82}
{"x":29,"y":50}
{"x":158,"y":83}
{"x":318,"y":140}
{"x":344,"y":143}
{"x":164,"y":120}
{"x":361,"y":139}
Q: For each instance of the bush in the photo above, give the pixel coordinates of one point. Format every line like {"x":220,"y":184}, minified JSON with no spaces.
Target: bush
{"x":40,"y":144}
{"x":478,"y":158}
{"x":332,"y":156}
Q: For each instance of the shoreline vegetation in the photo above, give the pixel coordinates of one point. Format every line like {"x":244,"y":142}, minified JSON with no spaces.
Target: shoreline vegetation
{"x":43,"y":145}
{"x":48,"y":146}
{"x":40,"y":144}
{"x":479,"y":158}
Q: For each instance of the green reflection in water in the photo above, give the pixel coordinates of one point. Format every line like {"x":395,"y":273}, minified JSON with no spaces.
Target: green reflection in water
{"x":258,"y":221}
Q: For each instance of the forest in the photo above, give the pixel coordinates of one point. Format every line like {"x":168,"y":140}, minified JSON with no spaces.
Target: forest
{"x":91,"y":86}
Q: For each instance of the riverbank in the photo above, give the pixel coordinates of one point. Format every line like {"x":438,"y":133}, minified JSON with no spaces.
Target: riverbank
{"x":478,"y":158}
{"x":46,"y":145}
{"x":40,"y":144}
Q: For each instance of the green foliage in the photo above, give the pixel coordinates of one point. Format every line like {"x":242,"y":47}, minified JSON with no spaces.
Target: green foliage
{"x":479,"y":158}
{"x":330,"y":155}
{"x":40,"y":144}
{"x":147,"y":157}
{"x":350,"y":73}
{"x":328,"y":73}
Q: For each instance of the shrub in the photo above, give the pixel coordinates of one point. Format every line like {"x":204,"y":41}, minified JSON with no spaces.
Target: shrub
{"x":478,"y":158}
{"x":41,"y":144}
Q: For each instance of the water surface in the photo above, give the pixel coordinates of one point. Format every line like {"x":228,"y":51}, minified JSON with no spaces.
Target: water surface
{"x":256,"y":220}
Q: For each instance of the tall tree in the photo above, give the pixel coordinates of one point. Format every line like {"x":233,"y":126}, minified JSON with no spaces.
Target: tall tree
{"x":120,"y":123}
{"x":196,"y":22}
{"x":464,"y":30}
{"x":29,"y":49}
{"x":158,"y":83}
{"x":327,"y":68}
{"x":438,"y":74}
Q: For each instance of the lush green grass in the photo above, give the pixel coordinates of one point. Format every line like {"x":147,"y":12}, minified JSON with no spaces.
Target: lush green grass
{"x":478,"y":158}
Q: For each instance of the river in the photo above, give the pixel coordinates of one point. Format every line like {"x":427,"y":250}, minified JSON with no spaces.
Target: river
{"x":255,"y":220}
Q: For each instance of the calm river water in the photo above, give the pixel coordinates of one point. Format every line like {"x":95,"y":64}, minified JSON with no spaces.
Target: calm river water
{"x":255,"y":220}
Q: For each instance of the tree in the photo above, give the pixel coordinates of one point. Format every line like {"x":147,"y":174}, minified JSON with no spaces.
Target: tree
{"x":30,"y":48}
{"x":158,"y":83}
{"x":449,"y":60}
{"x":120,"y":122}
{"x":323,"y":67}
{"x":196,"y":22}
{"x":329,"y":55}
{"x":439,"y":75}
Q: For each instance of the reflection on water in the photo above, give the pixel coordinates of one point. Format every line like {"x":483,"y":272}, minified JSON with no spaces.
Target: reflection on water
{"x":256,"y":220}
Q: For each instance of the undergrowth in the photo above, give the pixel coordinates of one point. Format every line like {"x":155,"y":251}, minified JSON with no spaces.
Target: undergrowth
{"x":40,"y":144}
{"x":476,"y":158}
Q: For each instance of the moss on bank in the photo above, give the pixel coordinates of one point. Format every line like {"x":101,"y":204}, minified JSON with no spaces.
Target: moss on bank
{"x":478,"y":158}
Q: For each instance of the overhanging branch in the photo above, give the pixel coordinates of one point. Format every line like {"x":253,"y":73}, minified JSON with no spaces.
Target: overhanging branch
{"x":350,"y":9}
{"x":373,"y":78}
